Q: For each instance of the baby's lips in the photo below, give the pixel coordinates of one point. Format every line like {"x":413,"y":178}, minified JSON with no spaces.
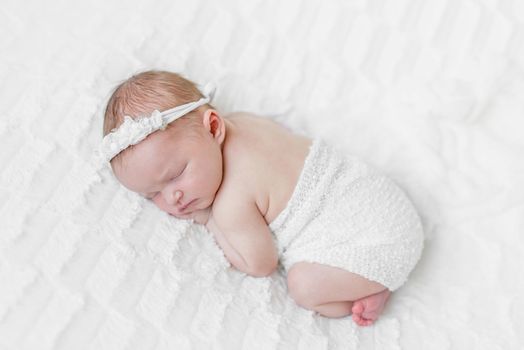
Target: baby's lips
{"x":185,"y":206}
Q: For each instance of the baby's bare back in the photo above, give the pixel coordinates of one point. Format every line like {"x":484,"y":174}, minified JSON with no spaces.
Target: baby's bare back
{"x":264,"y":157}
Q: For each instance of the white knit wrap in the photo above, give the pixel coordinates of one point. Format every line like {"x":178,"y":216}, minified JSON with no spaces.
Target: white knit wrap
{"x":132,"y":131}
{"x":344,"y":213}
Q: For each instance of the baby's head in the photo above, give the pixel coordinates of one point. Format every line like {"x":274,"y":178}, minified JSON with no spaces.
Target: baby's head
{"x":178,"y":168}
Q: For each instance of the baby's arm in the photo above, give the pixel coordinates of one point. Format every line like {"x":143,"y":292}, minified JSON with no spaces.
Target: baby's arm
{"x":242,"y":233}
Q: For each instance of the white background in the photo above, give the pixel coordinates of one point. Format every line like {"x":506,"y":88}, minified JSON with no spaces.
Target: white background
{"x":430,"y":92}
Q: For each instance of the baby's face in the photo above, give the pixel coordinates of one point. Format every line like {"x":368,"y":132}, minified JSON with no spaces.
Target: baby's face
{"x":180,"y":173}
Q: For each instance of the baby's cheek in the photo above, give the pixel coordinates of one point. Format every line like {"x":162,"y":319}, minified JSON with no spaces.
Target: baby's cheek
{"x":190,"y":182}
{"x":160,"y":203}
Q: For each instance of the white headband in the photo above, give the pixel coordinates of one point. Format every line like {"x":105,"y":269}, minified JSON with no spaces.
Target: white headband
{"x":131,"y":132}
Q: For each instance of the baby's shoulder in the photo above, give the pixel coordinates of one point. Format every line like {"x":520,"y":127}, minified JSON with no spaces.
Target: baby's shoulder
{"x":249,"y":120}
{"x":242,"y":179}
{"x":241,"y":114}
{"x":233,"y":197}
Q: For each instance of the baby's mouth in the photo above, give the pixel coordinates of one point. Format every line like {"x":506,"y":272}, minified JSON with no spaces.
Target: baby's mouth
{"x":186,"y":205}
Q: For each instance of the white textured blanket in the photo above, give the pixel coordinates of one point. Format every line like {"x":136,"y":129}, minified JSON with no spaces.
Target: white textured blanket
{"x":431,"y":92}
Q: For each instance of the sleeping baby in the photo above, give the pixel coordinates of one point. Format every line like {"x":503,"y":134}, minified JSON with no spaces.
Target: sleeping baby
{"x":345,"y":235}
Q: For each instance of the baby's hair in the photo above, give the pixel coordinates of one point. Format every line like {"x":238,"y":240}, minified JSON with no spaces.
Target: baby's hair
{"x":144,"y":92}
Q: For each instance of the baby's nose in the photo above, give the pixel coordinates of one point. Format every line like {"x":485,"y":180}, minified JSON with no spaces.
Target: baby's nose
{"x":175,"y":197}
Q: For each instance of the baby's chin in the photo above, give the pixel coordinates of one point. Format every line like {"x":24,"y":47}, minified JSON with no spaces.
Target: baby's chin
{"x":186,"y":216}
{"x":200,"y":216}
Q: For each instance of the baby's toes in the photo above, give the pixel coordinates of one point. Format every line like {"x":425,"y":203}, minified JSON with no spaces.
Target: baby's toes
{"x":366,"y":323}
{"x":361,"y":321}
{"x":358,"y":319}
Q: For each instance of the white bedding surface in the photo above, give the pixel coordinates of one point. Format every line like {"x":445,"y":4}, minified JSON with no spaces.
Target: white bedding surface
{"x":430,"y":92}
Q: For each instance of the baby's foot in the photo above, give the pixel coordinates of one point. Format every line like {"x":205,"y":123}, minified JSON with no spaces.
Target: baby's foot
{"x":366,"y":310}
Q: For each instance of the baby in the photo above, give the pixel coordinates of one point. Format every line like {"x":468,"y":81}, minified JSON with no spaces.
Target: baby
{"x":346,"y":236}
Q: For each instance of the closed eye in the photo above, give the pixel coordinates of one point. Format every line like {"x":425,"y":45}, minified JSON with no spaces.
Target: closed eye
{"x":182,"y":171}
{"x":150,"y":196}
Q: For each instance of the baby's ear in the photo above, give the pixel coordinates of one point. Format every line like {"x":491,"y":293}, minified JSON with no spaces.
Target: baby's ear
{"x":215,"y":125}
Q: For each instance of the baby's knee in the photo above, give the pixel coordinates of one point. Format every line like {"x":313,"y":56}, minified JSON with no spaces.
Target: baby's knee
{"x":301,"y":287}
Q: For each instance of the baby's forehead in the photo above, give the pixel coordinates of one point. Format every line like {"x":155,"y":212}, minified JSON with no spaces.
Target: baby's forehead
{"x":147,"y":153}
{"x":140,"y":170}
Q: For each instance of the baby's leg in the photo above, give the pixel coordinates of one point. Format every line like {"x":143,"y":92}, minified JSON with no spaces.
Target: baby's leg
{"x":334,"y":292}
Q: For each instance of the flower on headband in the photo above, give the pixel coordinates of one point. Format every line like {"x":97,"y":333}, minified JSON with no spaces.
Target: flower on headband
{"x":130,"y":133}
